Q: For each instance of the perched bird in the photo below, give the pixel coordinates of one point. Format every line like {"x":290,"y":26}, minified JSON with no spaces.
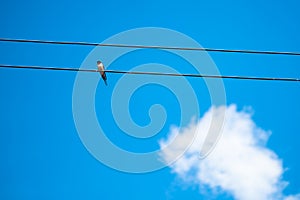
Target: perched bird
{"x":101,"y":70}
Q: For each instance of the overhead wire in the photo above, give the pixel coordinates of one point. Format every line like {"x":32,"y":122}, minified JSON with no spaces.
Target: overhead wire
{"x":152,"y":73}
{"x":151,"y":47}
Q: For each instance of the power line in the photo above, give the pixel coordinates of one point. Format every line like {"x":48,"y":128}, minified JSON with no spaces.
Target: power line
{"x":150,"y":73}
{"x":151,"y":47}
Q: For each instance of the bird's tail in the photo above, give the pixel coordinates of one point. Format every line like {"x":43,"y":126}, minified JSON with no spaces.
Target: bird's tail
{"x":104,"y":78}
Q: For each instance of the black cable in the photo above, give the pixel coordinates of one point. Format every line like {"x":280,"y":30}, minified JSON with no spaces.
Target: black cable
{"x":151,"y":47}
{"x":151,"y":73}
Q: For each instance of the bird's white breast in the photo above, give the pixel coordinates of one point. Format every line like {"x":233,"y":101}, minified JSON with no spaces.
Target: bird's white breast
{"x":100,"y":66}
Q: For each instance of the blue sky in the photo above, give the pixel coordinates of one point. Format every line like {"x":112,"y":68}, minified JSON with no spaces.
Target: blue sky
{"x":41,"y":154}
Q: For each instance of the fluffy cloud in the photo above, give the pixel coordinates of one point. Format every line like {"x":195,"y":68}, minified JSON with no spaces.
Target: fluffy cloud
{"x":240,"y":164}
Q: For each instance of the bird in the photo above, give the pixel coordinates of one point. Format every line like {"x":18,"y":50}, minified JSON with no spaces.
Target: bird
{"x":102,"y":72}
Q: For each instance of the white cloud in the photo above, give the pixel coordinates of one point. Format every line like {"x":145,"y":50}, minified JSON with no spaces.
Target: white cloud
{"x":240,"y":163}
{"x":292,"y":197}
